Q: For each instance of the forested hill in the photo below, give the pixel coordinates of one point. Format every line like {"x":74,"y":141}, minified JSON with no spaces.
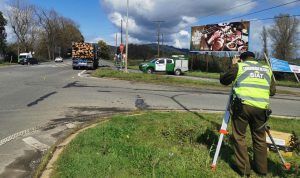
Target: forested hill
{"x":147,"y":51}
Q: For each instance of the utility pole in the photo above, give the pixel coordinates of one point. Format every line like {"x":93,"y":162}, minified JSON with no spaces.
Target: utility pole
{"x":158,"y":34}
{"x":126,"y":58}
{"x":116,"y":43}
{"x":121,"y":31}
{"x":162,"y":42}
{"x":121,"y":51}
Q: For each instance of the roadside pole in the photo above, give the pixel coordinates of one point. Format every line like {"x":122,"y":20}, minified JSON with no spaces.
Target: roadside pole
{"x":268,"y":62}
{"x":126,"y":50}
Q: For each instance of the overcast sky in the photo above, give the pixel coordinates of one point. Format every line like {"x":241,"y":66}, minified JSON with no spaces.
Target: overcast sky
{"x":102,"y":19}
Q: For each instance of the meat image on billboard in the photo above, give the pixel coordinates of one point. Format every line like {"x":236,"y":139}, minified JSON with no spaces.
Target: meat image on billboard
{"x":232,"y":36}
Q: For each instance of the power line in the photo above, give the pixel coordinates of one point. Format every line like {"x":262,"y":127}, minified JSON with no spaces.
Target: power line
{"x":251,"y":20}
{"x":279,"y":17}
{"x":251,"y":13}
{"x":227,"y":9}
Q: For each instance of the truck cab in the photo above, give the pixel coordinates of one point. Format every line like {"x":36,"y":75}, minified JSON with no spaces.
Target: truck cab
{"x":26,"y":58}
{"x":176,"y":65}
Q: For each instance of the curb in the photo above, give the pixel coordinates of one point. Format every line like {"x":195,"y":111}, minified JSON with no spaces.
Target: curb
{"x":60,"y":148}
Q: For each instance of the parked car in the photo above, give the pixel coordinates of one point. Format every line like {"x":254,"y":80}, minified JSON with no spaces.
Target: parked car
{"x":58,"y":59}
{"x":176,"y":65}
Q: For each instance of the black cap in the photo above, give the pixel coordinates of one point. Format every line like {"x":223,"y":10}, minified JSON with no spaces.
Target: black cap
{"x":246,"y":55}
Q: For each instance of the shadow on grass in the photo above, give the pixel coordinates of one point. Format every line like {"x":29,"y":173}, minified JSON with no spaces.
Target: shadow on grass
{"x":215,"y":124}
{"x":210,"y":139}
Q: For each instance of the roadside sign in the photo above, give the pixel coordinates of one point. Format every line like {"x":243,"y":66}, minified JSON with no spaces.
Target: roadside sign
{"x":121,"y":48}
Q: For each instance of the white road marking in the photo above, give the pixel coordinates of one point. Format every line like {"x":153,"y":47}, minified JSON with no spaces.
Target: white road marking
{"x":36,"y":144}
{"x":71,"y":125}
{"x":18,"y":134}
{"x":80,"y":73}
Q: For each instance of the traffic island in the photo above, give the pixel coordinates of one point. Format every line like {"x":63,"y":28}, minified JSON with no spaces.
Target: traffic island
{"x":158,"y":144}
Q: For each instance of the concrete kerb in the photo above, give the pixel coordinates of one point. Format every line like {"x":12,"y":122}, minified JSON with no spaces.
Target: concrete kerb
{"x":60,"y":148}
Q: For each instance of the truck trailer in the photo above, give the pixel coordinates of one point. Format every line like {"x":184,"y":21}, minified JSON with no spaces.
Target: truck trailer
{"x":85,"y":55}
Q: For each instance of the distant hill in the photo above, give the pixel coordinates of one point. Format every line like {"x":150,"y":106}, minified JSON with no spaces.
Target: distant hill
{"x":147,"y":51}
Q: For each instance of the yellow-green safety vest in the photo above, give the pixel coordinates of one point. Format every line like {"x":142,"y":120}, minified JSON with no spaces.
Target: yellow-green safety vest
{"x":252,"y":84}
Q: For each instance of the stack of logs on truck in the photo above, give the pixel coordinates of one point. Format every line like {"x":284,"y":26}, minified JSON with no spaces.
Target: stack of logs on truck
{"x":84,"y":55}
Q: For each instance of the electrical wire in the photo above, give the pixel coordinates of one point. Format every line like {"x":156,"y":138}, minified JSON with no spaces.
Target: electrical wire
{"x":222,"y":10}
{"x":251,"y":13}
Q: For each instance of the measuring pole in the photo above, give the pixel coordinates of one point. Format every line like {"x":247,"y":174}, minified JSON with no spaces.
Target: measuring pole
{"x":223,"y":131}
{"x":286,"y":165}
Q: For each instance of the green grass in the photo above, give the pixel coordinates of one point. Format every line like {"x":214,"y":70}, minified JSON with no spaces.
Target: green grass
{"x":203,"y":74}
{"x":6,"y":64}
{"x":154,"y":144}
{"x":156,"y":79}
{"x":134,"y":65}
{"x":288,"y":84}
{"x":166,"y":80}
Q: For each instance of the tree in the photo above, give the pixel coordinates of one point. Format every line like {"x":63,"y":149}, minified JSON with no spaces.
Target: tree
{"x":58,"y":32}
{"x":264,"y":36}
{"x":284,"y":36}
{"x":3,"y":22}
{"x":22,"y":20}
{"x":47,"y":20}
{"x":68,"y":32}
{"x":105,"y":52}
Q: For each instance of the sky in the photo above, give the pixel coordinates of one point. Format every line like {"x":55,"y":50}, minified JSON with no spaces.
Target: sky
{"x":101,"y":19}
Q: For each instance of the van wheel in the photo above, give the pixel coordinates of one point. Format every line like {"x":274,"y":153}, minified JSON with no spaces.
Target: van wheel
{"x":177,"y":72}
{"x":150,"y":71}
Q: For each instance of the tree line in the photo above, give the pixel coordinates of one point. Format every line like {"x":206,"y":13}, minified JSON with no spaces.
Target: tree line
{"x":42,"y":31}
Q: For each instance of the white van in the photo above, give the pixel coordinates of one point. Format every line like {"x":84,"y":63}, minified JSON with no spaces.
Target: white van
{"x":23,"y":57}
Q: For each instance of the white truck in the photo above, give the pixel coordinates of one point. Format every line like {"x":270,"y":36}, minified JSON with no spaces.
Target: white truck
{"x":26,"y":58}
{"x":176,"y":65}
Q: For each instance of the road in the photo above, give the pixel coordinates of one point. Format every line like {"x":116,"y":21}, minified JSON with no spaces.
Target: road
{"x":39,"y":104}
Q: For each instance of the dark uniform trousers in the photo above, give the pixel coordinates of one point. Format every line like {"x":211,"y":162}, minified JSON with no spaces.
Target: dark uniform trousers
{"x":255,"y":117}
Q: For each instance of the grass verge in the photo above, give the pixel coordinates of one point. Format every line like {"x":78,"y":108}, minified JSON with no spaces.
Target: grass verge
{"x":6,"y":64}
{"x":155,"y":144}
{"x":167,"y":80}
{"x":203,"y":74}
{"x":156,"y":79}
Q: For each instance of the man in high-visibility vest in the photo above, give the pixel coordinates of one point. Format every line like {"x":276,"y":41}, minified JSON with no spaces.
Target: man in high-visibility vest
{"x":252,"y":86}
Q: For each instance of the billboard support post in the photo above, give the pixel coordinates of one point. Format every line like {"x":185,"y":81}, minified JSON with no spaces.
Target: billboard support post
{"x":268,"y":62}
{"x":296,"y":77}
{"x":205,"y":56}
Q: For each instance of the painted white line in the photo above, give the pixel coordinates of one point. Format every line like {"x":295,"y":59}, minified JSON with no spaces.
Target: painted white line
{"x":71,"y":125}
{"x":18,"y":134}
{"x":82,"y":72}
{"x":36,"y":144}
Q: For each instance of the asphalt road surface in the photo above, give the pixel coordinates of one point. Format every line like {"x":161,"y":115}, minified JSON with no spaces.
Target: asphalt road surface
{"x":39,"y":104}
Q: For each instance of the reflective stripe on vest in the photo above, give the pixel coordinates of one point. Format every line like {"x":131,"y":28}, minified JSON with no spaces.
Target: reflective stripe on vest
{"x":252,"y":84}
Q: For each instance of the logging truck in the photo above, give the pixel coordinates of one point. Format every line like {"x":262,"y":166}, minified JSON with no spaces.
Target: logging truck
{"x":84,"y":55}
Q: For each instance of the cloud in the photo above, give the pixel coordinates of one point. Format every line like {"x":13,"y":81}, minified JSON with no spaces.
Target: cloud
{"x":176,"y":15}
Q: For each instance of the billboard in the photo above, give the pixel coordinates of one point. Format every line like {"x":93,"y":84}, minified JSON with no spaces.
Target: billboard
{"x":283,"y":66}
{"x":279,"y":65}
{"x":232,"y":36}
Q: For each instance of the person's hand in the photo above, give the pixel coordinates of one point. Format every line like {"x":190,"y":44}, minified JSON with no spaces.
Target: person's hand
{"x":235,"y":60}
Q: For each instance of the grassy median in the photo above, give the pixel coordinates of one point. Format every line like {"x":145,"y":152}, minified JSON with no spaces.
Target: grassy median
{"x":156,"y":144}
{"x":154,"y":79}
{"x":171,"y":80}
